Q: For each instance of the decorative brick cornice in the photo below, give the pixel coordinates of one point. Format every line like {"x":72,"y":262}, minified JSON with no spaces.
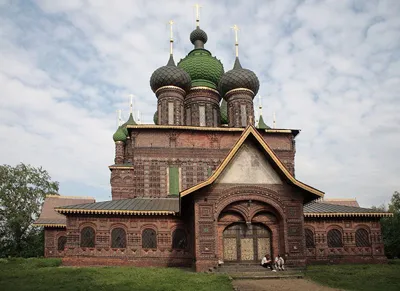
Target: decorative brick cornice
{"x":204,"y":89}
{"x":114,"y":212}
{"x":238,"y":90}
{"x":173,"y":88}
{"x":347,"y":214}
{"x":51,"y":225}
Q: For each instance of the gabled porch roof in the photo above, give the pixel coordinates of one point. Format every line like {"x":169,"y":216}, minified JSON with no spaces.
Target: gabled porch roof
{"x":252,"y":131}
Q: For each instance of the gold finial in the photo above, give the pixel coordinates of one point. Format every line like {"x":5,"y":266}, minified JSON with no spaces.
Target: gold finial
{"x":197,"y":6}
{"x":171,"y":38}
{"x":236,"y":29}
{"x":274,"y":122}
{"x":131,"y":103}
{"x":119,"y":118}
{"x":259,"y":104}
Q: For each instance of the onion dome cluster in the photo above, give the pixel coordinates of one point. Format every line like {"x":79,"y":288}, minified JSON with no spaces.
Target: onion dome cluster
{"x":238,"y":78}
{"x":122,"y":132}
{"x":170,"y":75}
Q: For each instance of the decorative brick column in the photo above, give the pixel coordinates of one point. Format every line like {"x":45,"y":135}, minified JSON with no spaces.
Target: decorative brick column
{"x":119,"y":152}
{"x":202,"y":107}
{"x":170,"y":105}
{"x":240,"y":107}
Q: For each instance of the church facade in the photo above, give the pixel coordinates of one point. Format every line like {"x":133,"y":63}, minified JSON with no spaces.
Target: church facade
{"x":203,"y":186}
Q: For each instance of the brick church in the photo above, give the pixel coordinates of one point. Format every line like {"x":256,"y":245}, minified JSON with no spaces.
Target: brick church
{"x":204,"y":186}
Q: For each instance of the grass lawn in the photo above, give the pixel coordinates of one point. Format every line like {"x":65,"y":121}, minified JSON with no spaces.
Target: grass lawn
{"x":358,"y":277}
{"x":45,"y":274}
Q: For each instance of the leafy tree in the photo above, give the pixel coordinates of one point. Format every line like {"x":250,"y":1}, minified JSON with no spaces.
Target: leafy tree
{"x":391,"y":228}
{"x":22,"y":191}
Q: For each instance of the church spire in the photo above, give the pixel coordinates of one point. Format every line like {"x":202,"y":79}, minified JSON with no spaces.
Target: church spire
{"x":197,"y":6}
{"x":171,"y":38}
{"x":261,"y":124}
{"x":236,"y":29}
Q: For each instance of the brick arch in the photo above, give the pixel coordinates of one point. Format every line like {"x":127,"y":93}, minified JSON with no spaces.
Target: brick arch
{"x":85,"y":224}
{"x":119,"y":225}
{"x":149,"y":225}
{"x":364,"y":226}
{"x":239,"y":209}
{"x":259,"y":194}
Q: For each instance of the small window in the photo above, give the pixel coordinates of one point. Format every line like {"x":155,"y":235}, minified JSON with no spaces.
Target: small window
{"x":173,"y":180}
{"x":243,"y":115}
{"x":87,"y":237}
{"x":62,"y":240}
{"x":170,"y":113}
{"x":335,"y":239}
{"x":118,"y":238}
{"x":179,"y":240}
{"x":149,"y":239}
{"x":362,"y":239}
{"x":309,"y":239}
{"x":202,"y":115}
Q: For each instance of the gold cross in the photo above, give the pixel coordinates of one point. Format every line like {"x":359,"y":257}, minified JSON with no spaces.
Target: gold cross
{"x":171,"y":22}
{"x":171,"y":39}
{"x":236,"y":29}
{"x":197,"y":6}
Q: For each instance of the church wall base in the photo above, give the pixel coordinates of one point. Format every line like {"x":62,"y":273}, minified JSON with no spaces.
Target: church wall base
{"x":138,"y":262}
{"x":347,"y":260}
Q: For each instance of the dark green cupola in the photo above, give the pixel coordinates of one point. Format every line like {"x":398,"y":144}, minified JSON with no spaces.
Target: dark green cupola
{"x":204,"y":69}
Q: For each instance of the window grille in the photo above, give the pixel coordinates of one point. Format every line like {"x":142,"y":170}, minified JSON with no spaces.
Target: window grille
{"x":309,"y":239}
{"x":149,"y":239}
{"x":362,"y":239}
{"x":62,"y":240}
{"x":335,"y":239}
{"x":179,"y":240}
{"x":87,"y":237}
{"x":118,"y":238}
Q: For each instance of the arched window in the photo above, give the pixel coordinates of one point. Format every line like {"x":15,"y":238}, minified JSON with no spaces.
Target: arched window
{"x":62,"y":240}
{"x":309,"y":238}
{"x":362,"y":239}
{"x":118,"y":238}
{"x":87,"y":237}
{"x":149,"y":239}
{"x":179,"y":240}
{"x":335,"y":239}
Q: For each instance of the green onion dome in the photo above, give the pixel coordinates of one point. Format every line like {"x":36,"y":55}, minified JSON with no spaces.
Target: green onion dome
{"x":170,"y":75}
{"x":238,"y":78}
{"x":262,"y":124}
{"x":224,"y":112}
{"x":119,"y":135}
{"x":155,"y":117}
{"x":204,"y":69}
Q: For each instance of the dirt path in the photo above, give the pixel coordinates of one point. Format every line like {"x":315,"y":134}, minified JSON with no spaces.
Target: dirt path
{"x":280,"y":284}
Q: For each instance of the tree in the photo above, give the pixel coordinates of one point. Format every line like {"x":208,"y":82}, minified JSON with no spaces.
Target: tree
{"x":22,"y":191}
{"x":391,"y":228}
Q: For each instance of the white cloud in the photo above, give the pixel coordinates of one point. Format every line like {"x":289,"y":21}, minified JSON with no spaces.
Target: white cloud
{"x":331,"y":68}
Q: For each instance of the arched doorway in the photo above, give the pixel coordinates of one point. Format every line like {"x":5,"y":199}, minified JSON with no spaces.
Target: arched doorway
{"x":246,"y":242}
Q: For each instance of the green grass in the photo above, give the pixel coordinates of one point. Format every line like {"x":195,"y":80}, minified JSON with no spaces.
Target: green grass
{"x":358,"y":277}
{"x":45,"y":274}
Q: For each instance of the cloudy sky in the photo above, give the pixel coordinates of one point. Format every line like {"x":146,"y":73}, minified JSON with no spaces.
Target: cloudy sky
{"x":329,"y":68}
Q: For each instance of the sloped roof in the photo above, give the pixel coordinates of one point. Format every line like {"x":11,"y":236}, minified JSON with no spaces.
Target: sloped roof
{"x":134,"y":206}
{"x":322,"y":209}
{"x":50,"y":218}
{"x":342,"y":201}
{"x":250,"y":130}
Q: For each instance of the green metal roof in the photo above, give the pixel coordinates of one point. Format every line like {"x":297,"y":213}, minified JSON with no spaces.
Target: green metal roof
{"x":134,"y":204}
{"x":319,"y":208}
{"x":261,"y":124}
{"x":120,"y":135}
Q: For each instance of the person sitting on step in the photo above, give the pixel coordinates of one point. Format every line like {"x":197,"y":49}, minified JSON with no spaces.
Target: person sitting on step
{"x":279,"y":263}
{"x":266,"y":262}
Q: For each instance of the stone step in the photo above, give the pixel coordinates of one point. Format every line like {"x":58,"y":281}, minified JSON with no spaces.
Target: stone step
{"x":254,"y":268}
{"x":265,"y":276}
{"x":264,"y":273}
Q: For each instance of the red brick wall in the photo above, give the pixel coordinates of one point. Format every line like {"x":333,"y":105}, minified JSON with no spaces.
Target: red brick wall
{"x":350,"y":252}
{"x":51,"y":236}
{"x":133,"y":254}
{"x":197,"y":153}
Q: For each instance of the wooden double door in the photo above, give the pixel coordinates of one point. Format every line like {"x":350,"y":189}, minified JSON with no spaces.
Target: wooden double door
{"x":246,"y":243}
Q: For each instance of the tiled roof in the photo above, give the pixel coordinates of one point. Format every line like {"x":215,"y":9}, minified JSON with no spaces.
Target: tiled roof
{"x":49,"y":217}
{"x":322,"y":209}
{"x":342,"y":201}
{"x":134,"y":206}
